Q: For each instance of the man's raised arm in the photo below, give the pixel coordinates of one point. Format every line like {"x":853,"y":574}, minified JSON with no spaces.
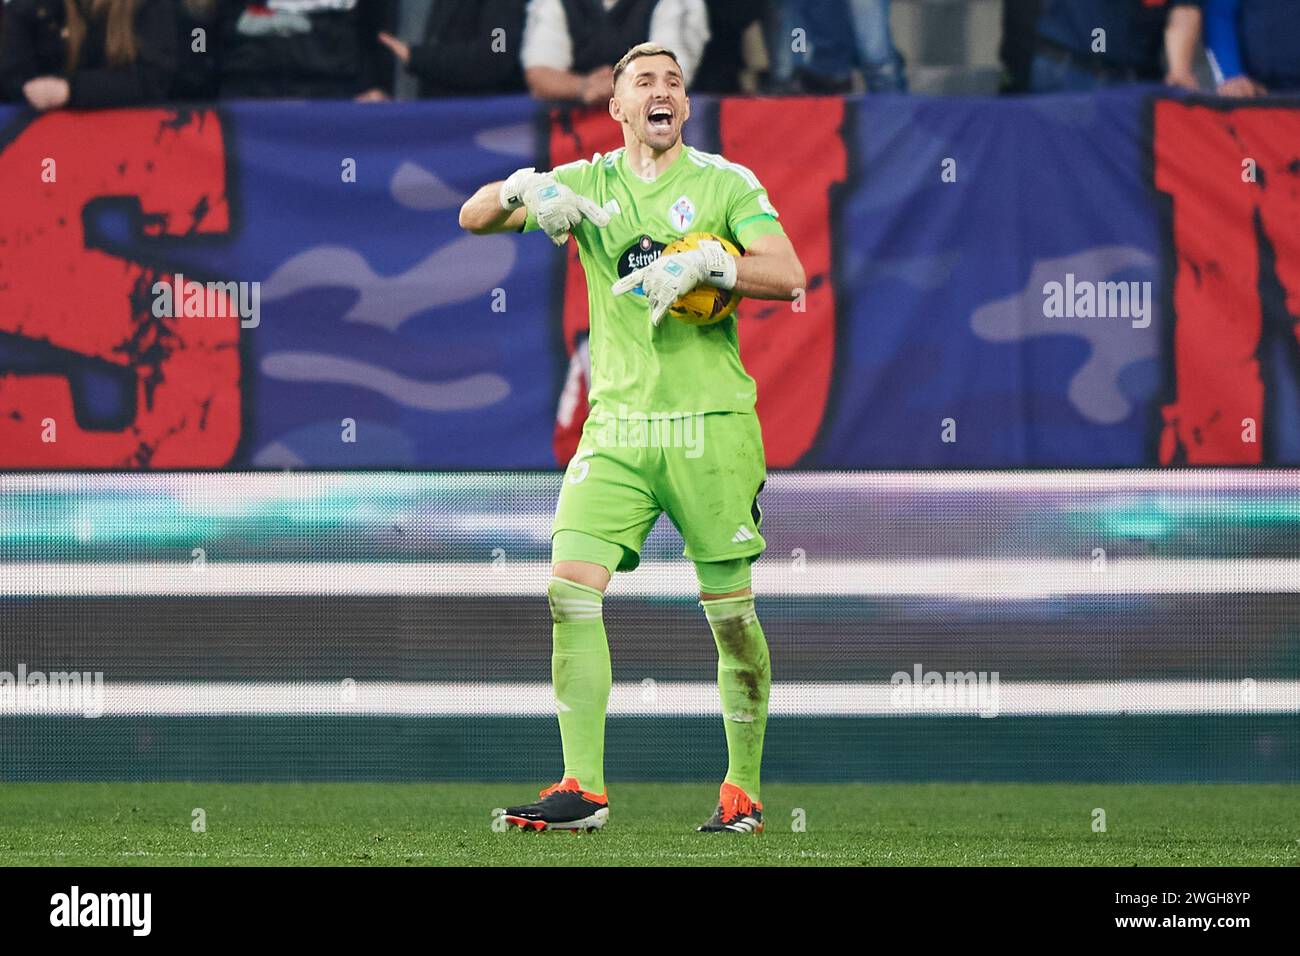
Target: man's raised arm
{"x":483,"y":214}
{"x":504,"y":206}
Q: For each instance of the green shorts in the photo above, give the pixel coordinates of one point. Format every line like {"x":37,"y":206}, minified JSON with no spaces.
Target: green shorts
{"x":705,"y":471}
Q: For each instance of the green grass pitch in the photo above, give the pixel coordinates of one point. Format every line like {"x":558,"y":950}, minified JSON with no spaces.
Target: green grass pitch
{"x":651,"y":824}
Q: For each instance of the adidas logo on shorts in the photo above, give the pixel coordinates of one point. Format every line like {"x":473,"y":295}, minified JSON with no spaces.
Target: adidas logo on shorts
{"x":742,"y":535}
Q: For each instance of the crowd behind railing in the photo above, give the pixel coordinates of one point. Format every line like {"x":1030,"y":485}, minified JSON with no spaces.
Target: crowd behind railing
{"x":104,"y":53}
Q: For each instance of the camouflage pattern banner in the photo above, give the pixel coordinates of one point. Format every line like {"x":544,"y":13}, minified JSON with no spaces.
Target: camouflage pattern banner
{"x":1079,"y":281}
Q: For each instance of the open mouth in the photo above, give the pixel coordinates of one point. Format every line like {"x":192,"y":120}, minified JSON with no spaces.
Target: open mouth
{"x":660,"y":118}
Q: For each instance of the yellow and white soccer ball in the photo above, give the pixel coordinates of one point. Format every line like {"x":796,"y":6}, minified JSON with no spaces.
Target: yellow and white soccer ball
{"x":705,"y":304}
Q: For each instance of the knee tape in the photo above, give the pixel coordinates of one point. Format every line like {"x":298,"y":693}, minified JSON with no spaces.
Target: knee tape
{"x":571,"y":602}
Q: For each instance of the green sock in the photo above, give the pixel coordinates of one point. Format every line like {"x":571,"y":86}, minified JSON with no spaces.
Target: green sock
{"x":581,"y":674}
{"x":744,"y":680}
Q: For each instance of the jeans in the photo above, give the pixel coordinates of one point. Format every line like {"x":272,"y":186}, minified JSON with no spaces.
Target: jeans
{"x":881,"y":63}
{"x":840,"y":34}
{"x":1050,"y":74}
{"x":782,"y":19}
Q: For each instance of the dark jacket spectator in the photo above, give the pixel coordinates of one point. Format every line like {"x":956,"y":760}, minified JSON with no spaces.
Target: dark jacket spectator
{"x":1016,"y":51}
{"x":724,"y":57}
{"x":1254,"y":45}
{"x":198,"y":51}
{"x":1086,"y":44}
{"x":468,"y":48}
{"x":305,"y":48}
{"x":88,"y":53}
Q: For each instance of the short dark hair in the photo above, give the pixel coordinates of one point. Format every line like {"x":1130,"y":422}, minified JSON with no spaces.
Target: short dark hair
{"x":640,"y":50}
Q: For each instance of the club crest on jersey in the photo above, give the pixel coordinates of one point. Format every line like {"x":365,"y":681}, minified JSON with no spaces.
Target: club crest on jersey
{"x":638,"y":255}
{"x":682,"y":213}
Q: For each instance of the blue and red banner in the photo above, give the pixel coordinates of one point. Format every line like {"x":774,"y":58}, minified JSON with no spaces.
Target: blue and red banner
{"x":1099,"y":280}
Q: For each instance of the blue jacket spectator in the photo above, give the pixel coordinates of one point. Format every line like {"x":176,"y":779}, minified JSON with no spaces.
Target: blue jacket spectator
{"x":1254,"y":45}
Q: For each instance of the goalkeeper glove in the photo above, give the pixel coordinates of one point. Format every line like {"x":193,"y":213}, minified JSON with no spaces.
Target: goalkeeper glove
{"x":555,"y":207}
{"x":670,"y":277}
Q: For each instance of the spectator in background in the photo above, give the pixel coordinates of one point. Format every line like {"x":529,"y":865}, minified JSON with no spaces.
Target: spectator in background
{"x":88,"y":53}
{"x":724,"y":57}
{"x":1019,"y":37}
{"x":571,"y":46}
{"x":840,"y":35}
{"x":1090,"y":44}
{"x":462,"y":52}
{"x":306,"y":48}
{"x":1254,"y":45}
{"x":197,"y":76}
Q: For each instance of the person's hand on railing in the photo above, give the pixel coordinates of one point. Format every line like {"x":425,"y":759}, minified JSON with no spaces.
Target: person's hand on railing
{"x":1182,"y":80}
{"x":1242,"y":87}
{"x":47,"y":92}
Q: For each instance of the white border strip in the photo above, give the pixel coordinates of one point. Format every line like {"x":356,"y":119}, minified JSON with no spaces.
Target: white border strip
{"x":225,"y":485}
{"x":654,"y":699}
{"x":963,"y":578}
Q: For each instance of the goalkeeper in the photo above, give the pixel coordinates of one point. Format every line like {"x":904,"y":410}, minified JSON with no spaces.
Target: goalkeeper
{"x":623,"y":208}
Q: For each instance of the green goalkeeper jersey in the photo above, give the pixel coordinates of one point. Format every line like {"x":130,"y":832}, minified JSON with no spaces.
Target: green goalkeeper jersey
{"x":676,"y":368}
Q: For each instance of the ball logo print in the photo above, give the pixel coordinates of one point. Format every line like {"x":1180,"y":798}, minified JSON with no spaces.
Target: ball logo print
{"x":705,"y":304}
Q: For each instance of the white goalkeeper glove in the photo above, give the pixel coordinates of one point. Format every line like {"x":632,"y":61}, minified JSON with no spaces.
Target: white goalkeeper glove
{"x":556,"y":207}
{"x":668,"y":278}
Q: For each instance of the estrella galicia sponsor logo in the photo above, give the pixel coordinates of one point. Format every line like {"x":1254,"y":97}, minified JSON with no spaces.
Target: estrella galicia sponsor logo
{"x":75,"y":908}
{"x":682,"y":213}
{"x":637,"y":256}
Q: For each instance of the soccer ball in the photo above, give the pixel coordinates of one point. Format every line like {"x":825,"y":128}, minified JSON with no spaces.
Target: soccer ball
{"x":705,"y":304}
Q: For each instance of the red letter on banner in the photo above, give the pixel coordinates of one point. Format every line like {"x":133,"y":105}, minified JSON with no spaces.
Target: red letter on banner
{"x":797,"y":152}
{"x":86,"y":303}
{"x":1234,"y":179}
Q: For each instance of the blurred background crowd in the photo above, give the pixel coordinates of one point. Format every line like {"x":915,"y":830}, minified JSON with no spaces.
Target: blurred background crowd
{"x":101,"y":53}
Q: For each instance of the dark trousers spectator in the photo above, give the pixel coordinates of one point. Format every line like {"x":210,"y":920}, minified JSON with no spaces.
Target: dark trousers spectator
{"x":724,"y":56}
{"x":1019,"y":23}
{"x":198,"y":76}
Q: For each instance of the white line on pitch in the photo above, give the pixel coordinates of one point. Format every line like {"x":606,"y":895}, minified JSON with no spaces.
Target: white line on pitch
{"x":228,"y":489}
